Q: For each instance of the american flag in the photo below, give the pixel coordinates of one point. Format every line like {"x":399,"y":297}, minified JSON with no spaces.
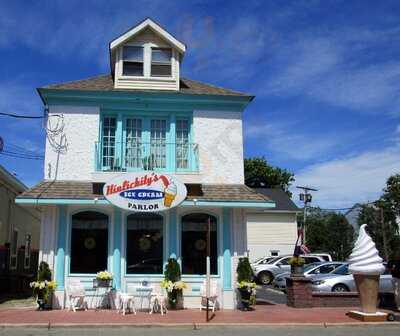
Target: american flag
{"x":300,"y":247}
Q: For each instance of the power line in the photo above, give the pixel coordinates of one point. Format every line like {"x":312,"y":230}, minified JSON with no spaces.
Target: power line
{"x":22,"y":154}
{"x":20,"y":116}
{"x":21,"y":157}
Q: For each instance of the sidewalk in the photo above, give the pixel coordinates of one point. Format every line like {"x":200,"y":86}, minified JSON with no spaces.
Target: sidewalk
{"x":264,"y":314}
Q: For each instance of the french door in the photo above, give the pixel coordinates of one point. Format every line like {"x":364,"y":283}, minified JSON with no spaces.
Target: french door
{"x":144,"y":143}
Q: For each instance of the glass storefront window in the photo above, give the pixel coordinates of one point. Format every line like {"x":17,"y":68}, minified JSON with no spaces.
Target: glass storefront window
{"x":89,"y":242}
{"x":144,"y":244}
{"x":194,"y":244}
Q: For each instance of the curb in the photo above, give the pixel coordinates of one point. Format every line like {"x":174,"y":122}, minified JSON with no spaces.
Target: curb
{"x":194,"y":325}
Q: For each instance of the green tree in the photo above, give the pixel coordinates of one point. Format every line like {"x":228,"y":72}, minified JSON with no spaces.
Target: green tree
{"x":258,"y":173}
{"x":340,"y":236}
{"x":316,"y":230}
{"x":328,"y":232}
{"x":382,"y":218}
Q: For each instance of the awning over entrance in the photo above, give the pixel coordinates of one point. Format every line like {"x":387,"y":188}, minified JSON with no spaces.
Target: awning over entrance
{"x":86,"y":193}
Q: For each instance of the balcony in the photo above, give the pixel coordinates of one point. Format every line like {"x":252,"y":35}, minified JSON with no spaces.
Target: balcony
{"x":131,"y":156}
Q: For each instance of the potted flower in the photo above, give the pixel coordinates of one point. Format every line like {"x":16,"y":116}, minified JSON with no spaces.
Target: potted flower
{"x":104,"y":279}
{"x":44,"y":287}
{"x":245,"y":285}
{"x":296,"y":265}
{"x":173,"y":284}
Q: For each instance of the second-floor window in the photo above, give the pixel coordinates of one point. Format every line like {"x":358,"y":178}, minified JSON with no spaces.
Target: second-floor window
{"x":161,"y":62}
{"x":146,"y":143}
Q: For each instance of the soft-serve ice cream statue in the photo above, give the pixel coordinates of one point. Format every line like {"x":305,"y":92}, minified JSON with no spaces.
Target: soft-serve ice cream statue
{"x":366,"y":266}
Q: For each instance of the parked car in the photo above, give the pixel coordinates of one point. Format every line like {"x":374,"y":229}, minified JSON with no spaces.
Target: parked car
{"x":310,"y":271}
{"x":265,"y":273}
{"x":326,"y":256}
{"x":340,"y":280}
{"x":262,"y":260}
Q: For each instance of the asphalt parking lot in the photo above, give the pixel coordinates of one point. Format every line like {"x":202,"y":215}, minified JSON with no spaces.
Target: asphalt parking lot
{"x":270,"y":295}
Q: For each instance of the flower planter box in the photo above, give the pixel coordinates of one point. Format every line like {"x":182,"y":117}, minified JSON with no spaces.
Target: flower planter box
{"x":177,"y":303}
{"x":245,"y":298}
{"x":98,"y":283}
{"x":297,"y":270}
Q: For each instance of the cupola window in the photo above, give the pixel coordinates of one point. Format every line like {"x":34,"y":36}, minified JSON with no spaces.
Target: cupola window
{"x":132,"y":61}
{"x":161,"y":62}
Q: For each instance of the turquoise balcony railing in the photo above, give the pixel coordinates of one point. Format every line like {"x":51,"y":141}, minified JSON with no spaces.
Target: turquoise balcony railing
{"x":128,"y":156}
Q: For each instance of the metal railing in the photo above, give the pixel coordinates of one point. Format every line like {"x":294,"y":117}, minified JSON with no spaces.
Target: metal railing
{"x":133,"y":155}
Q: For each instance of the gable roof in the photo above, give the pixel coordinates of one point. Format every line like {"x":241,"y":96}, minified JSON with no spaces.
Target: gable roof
{"x":281,"y":199}
{"x":11,"y":180}
{"x":148,"y":23}
{"x":105,"y":83}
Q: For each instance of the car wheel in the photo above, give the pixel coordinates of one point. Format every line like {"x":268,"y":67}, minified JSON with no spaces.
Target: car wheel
{"x":265,"y":278}
{"x":339,"y":288}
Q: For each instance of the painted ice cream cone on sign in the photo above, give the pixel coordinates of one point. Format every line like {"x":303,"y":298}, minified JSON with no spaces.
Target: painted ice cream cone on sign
{"x":170,"y":194}
{"x":366,"y":266}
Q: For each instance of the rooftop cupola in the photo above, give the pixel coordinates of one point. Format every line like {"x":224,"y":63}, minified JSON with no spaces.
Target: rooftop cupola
{"x":146,"y":57}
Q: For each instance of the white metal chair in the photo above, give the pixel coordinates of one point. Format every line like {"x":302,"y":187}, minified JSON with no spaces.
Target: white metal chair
{"x":76,"y":295}
{"x":213,"y":300}
{"x":126,"y":302}
{"x":158,"y":301}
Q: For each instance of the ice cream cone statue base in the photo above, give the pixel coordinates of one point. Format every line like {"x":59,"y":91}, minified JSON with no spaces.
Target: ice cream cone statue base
{"x":366,"y":266}
{"x":368,"y":287}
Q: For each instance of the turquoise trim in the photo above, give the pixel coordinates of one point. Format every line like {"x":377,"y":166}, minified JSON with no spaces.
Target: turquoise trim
{"x":117,"y":248}
{"x":61,"y":246}
{"x":227,"y":217}
{"x":120,"y":139}
{"x":144,"y":101}
{"x":232,"y":204}
{"x":173,"y":246}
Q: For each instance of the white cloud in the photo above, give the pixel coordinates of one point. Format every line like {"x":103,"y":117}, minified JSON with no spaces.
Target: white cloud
{"x":343,"y":182}
{"x":287,"y":141}
{"x":335,"y":69}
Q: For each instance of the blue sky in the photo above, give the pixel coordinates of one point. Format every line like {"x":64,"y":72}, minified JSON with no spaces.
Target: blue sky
{"x":326,"y":75}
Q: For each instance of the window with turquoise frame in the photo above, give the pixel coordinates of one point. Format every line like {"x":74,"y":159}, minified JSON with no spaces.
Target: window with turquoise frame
{"x":133,"y":143}
{"x":139,"y":142}
{"x":182,"y":143}
{"x":108,"y":142}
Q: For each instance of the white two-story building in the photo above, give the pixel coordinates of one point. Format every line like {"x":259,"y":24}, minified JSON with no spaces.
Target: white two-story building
{"x":144,"y":119}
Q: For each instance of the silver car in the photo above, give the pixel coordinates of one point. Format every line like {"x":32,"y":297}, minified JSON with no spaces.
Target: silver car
{"x":310,"y":271}
{"x":340,"y":280}
{"x":265,"y":273}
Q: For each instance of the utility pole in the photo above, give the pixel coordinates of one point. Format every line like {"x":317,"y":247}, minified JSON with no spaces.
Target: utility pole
{"x":306,"y":198}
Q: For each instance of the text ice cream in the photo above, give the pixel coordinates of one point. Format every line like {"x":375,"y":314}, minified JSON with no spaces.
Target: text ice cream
{"x":365,"y":258}
{"x":170,"y":194}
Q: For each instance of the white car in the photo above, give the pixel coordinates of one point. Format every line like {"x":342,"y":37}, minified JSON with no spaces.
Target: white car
{"x":309,"y":271}
{"x":261,"y":261}
{"x":265,"y":273}
{"x":340,"y":280}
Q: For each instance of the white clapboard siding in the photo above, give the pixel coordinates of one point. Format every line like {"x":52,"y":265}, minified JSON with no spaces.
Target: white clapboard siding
{"x":271,"y":232}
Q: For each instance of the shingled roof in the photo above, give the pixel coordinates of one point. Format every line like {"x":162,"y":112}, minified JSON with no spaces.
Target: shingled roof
{"x":105,"y":83}
{"x":84,"y":190}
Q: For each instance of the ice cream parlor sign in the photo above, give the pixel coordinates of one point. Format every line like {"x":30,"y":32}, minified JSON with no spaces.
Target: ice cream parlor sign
{"x":145,"y":192}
